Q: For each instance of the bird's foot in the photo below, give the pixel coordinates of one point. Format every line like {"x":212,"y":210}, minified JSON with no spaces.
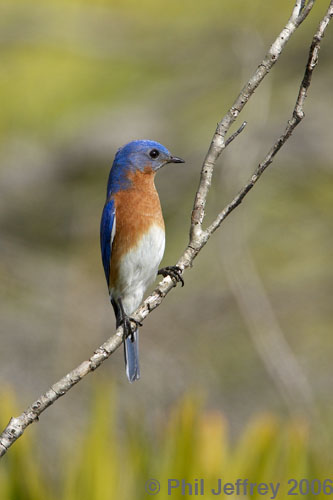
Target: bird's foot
{"x":127,"y":322}
{"x":174,"y":272}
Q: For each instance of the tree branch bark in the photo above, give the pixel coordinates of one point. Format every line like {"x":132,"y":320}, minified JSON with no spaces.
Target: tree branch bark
{"x":198,"y":235}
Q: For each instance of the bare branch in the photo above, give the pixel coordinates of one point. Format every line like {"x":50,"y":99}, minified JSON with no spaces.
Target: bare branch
{"x":218,"y":142}
{"x":198,"y":237}
{"x":306,"y":6}
{"x":297,"y":116}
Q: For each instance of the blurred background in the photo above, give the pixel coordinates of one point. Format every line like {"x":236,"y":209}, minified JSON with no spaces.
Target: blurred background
{"x":250,"y":333}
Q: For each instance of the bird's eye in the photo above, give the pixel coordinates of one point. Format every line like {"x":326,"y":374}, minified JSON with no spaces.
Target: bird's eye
{"x":154,"y":153}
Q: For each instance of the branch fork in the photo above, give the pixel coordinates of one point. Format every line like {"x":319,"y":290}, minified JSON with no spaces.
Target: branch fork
{"x":198,"y":235}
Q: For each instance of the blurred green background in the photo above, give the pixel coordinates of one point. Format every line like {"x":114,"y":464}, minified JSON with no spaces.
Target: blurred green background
{"x":250,"y":333}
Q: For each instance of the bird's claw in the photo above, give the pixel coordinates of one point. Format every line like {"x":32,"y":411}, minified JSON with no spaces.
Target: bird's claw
{"x":174,"y":272}
{"x":136,"y":322}
{"x":127,"y":326}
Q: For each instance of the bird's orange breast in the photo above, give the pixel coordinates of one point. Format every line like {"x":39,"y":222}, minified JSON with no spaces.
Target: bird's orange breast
{"x":137,"y":209}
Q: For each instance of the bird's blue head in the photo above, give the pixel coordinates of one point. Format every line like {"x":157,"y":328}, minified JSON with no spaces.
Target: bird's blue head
{"x":137,"y":155}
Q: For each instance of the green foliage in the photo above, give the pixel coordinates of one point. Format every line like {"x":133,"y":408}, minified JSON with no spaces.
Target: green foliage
{"x":191,"y":443}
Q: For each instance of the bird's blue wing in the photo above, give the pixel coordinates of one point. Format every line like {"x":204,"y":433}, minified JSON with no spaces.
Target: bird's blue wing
{"x":107,"y":232}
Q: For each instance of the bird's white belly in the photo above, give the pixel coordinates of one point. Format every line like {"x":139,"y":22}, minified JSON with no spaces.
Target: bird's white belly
{"x":138,"y":268}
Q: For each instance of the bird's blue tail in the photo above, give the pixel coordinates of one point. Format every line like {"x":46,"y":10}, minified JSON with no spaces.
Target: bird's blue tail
{"x":131,"y":351}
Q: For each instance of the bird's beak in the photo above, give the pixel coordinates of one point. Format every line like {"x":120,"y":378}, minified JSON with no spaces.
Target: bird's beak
{"x":175,"y":159}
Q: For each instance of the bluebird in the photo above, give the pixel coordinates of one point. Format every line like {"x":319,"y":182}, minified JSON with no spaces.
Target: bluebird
{"x":133,"y":236}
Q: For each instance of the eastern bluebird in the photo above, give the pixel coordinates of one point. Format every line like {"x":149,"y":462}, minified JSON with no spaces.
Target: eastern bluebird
{"x":133,"y":236}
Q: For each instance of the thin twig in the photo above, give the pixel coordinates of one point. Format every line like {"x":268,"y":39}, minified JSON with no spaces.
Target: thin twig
{"x":235,"y":134}
{"x":218,"y":142}
{"x":297,"y":116}
{"x":198,"y":237}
